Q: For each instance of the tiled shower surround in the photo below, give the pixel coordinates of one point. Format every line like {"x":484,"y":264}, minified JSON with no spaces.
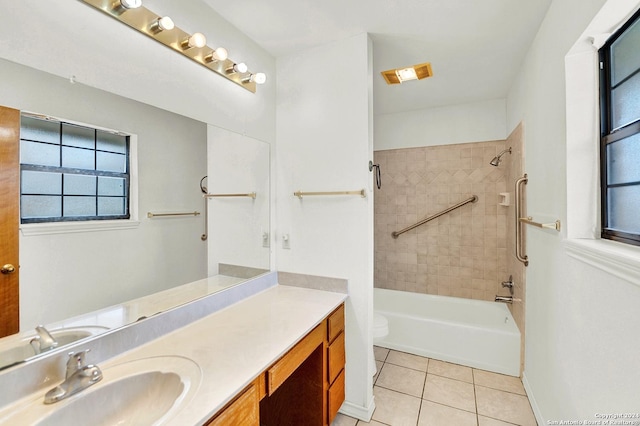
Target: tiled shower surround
{"x":462,"y":253}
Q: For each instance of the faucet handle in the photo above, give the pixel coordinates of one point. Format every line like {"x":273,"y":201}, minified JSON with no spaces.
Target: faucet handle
{"x":76,"y":362}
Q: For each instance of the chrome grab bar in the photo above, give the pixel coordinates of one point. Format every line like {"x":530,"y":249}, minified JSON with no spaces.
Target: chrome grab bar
{"x":473,"y":199}
{"x":518,"y":190}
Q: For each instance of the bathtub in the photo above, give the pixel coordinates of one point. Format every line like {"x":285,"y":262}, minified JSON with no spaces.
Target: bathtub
{"x":474,"y":333}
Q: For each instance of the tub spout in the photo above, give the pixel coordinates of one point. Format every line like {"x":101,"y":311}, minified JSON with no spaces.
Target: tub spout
{"x":507,"y":299}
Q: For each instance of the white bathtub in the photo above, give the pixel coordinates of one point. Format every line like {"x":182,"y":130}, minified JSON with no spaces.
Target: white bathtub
{"x":475,"y":333}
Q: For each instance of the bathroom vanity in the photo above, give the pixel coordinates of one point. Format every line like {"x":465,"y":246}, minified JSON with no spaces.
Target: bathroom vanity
{"x":305,"y":386}
{"x":276,"y":357}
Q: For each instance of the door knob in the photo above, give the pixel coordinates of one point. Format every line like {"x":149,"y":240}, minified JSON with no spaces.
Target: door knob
{"x":8,"y":269}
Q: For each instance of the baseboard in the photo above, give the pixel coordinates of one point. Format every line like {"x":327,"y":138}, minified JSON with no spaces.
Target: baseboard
{"x":357,"y":411}
{"x":532,"y":400}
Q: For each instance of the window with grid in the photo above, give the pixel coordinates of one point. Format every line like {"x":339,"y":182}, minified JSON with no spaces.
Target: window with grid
{"x":620,"y":134}
{"x":72,"y":173}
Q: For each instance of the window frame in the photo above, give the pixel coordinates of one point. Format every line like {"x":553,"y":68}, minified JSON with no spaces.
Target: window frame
{"x":609,"y":135}
{"x":44,"y":226}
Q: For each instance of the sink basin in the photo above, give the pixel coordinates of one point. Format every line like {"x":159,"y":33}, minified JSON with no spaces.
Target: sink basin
{"x":21,"y":349}
{"x":146,"y":391}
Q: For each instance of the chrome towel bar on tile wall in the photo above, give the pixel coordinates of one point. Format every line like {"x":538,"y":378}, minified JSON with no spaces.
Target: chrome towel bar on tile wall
{"x":361,"y":192}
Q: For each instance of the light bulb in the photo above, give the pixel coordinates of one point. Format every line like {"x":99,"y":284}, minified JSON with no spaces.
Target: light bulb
{"x":219,"y":54}
{"x":241,"y":67}
{"x":259,"y":78}
{"x":196,"y":40}
{"x":131,"y":4}
{"x":162,"y":24}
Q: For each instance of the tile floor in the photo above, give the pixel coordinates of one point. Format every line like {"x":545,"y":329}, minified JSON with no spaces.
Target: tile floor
{"x":418,"y":391}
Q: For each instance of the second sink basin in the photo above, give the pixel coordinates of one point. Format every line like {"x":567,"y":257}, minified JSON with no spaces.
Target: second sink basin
{"x":145,"y":391}
{"x":22,"y":350}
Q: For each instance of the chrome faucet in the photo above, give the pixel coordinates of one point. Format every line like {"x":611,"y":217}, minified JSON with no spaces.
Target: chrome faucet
{"x":508,"y":284}
{"x":507,"y":299}
{"x":79,"y":376}
{"x":43,"y":342}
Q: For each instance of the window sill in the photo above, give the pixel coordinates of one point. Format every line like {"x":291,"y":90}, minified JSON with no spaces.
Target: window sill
{"x":617,"y":259}
{"x":72,"y":227}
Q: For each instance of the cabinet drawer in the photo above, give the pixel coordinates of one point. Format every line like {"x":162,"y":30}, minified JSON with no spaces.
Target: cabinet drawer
{"x":336,"y":396}
{"x":336,"y":357}
{"x":282,"y":369}
{"x":335,"y":323}
{"x":243,"y":411}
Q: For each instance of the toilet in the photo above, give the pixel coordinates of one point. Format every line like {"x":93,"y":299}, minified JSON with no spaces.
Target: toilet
{"x":380,"y":331}
{"x":380,"y":327}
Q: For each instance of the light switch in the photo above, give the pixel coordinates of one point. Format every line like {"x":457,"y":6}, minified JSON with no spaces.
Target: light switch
{"x":286,"y":241}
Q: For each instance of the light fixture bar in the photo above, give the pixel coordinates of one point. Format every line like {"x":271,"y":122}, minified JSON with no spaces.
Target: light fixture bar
{"x":146,"y":22}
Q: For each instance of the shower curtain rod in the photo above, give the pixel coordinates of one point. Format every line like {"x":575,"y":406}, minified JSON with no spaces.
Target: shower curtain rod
{"x":473,"y":199}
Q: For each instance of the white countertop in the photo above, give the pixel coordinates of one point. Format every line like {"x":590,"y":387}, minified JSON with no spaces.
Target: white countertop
{"x":234,"y":345}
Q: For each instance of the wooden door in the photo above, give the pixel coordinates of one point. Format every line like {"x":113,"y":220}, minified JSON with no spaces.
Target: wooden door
{"x":9,"y":221}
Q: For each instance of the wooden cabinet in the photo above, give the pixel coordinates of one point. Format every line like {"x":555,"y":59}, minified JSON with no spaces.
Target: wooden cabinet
{"x":335,"y":363}
{"x":243,"y":410}
{"x":304,"y":387}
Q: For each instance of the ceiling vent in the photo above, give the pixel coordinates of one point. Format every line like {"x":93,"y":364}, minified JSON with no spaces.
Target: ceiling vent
{"x":400,"y":75}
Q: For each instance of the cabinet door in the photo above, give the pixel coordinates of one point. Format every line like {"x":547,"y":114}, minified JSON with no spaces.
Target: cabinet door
{"x":244,"y":411}
{"x":335,"y":323}
{"x":336,"y":357}
{"x":336,"y":396}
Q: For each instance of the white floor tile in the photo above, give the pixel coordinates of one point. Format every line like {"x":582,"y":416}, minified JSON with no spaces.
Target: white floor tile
{"x":453,"y":393}
{"x":408,"y":360}
{"x":401,"y":379}
{"x":498,"y":381}
{"x":504,"y":406}
{"x":432,"y":414}
{"x":394,"y":408}
{"x":452,"y":371}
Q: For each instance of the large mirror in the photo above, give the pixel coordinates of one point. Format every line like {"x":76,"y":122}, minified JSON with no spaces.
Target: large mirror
{"x":80,"y":280}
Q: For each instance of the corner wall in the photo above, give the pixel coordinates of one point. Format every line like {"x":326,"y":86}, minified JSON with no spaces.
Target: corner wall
{"x":581,"y":322}
{"x":324,"y":119}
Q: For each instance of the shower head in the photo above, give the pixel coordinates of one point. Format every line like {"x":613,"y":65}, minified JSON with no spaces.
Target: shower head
{"x":498,"y":158}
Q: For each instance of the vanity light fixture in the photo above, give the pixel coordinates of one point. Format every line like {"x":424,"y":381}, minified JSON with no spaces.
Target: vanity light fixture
{"x":191,"y":45}
{"x":415,"y":72}
{"x":162,"y":24}
{"x":195,"y":40}
{"x":237,"y":68}
{"x":219,"y":54}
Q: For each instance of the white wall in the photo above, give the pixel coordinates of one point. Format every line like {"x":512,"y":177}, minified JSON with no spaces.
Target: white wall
{"x":464,"y":123}
{"x":324,"y":119}
{"x":582,"y":322}
{"x":238,"y":164}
